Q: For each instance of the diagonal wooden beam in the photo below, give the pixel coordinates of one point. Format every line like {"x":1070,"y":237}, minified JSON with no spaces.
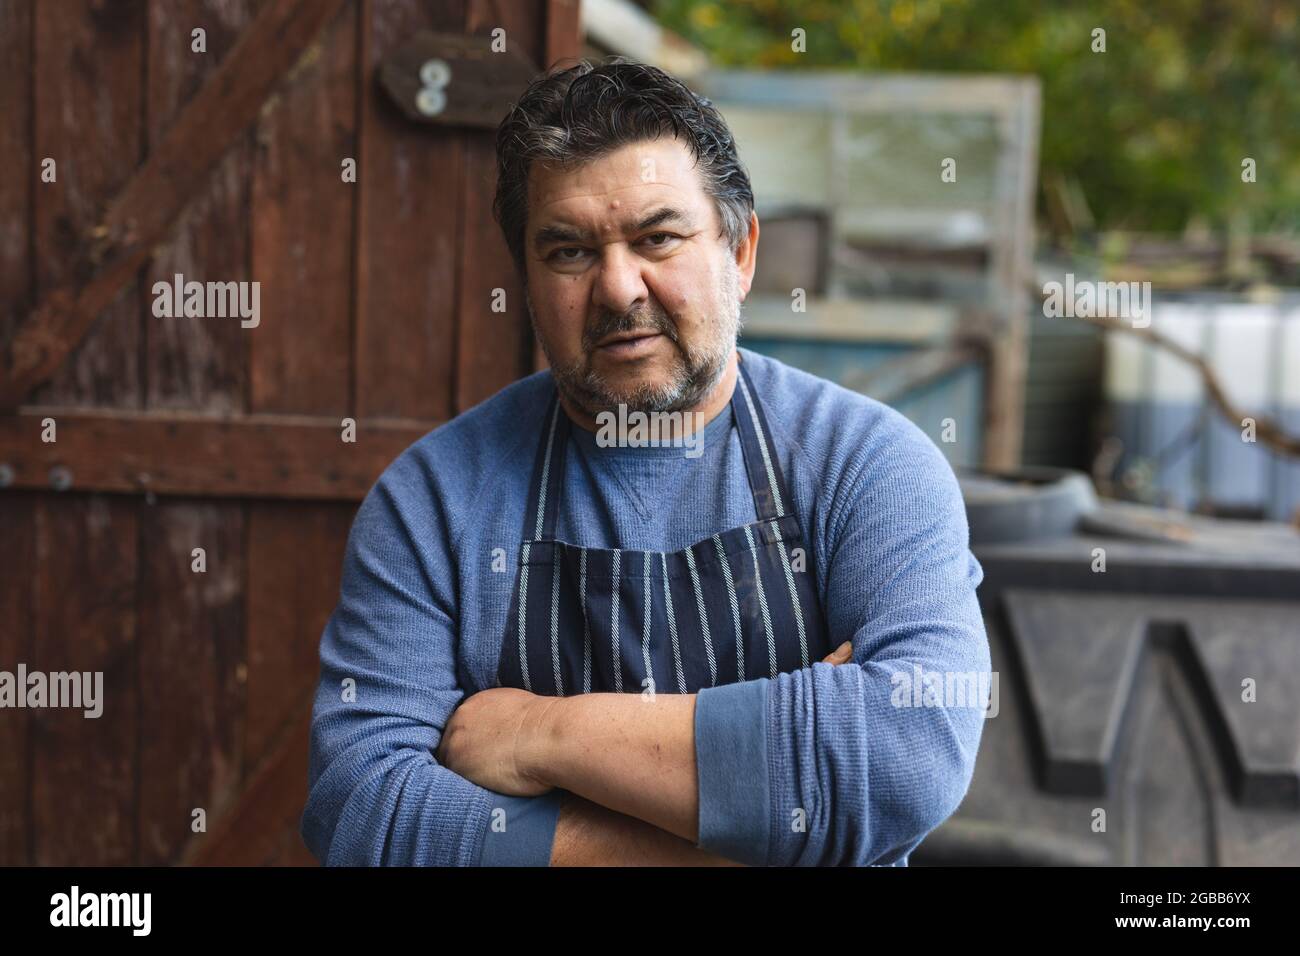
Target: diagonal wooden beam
{"x":138,"y":217}
{"x":269,"y":807}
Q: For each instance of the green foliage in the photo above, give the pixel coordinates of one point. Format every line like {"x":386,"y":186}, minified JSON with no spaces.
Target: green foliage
{"x":1155,"y":128}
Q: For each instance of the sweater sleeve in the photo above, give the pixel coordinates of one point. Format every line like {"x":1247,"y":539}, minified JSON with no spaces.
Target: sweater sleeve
{"x":854,"y":764}
{"x":388,"y":686}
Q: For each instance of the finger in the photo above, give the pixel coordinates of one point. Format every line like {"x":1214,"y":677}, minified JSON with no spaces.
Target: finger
{"x":840,"y":654}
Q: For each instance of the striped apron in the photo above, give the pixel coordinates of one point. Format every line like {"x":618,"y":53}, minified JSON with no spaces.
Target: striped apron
{"x":736,"y":606}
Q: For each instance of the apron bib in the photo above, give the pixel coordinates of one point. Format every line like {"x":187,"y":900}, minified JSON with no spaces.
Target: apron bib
{"x":735,"y":606}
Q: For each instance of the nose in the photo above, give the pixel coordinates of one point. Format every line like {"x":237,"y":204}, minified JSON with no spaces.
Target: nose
{"x":619,"y":286}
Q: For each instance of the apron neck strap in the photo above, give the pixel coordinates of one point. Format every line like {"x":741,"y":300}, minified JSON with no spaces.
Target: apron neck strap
{"x":766,"y":481}
{"x":544,"y":492}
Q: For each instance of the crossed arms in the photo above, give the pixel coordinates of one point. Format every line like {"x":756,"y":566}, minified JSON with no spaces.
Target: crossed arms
{"x":821,"y":767}
{"x":631,"y":754}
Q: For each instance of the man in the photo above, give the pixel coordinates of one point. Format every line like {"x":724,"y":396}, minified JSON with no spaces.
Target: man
{"x":558,"y":642}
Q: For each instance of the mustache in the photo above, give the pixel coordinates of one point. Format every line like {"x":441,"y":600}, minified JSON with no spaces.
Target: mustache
{"x":648,"y":319}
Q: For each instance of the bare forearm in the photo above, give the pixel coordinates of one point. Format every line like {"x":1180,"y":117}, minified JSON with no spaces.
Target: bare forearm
{"x":627,"y":752}
{"x":588,"y":834}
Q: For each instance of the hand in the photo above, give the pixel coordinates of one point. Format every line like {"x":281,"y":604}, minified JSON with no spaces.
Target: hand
{"x":841,"y":655}
{"x":490,"y":736}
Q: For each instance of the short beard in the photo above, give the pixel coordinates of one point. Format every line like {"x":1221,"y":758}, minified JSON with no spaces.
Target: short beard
{"x":695,"y":372}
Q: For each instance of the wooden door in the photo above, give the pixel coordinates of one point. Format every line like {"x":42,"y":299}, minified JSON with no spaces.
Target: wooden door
{"x":173,"y":434}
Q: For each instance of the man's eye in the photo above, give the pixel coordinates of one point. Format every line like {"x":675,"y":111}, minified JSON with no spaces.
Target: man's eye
{"x":568,"y":254}
{"x":659,"y":238}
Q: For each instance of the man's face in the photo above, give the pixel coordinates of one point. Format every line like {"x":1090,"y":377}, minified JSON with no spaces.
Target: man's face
{"x":634,"y":294}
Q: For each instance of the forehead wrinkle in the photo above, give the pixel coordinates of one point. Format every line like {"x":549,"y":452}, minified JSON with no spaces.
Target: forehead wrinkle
{"x":656,"y":214}
{"x":596,"y":197}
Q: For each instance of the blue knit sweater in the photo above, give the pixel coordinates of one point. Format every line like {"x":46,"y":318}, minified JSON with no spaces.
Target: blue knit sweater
{"x":832,"y":765}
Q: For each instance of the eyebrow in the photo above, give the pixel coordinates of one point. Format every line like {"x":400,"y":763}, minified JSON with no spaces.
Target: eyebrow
{"x":663,"y":215}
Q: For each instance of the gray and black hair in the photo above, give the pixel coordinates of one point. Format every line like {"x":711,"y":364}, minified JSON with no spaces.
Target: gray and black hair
{"x":570,"y":116}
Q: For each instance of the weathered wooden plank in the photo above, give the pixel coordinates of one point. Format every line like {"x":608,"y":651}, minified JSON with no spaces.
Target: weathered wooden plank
{"x":191,"y":647}
{"x":303,"y":255}
{"x":23,"y":179}
{"x":79,"y":46}
{"x":174,"y":453}
{"x":191,"y":623}
{"x":887,"y":320}
{"x":88,"y":68}
{"x":1011,"y":271}
{"x":83,"y":768}
{"x":295,"y":555}
{"x":88,"y":62}
{"x":17,"y":528}
{"x":301,"y":232}
{"x":850,"y":90}
{"x":492,"y":348}
{"x":563,"y":32}
{"x":407,"y":234}
{"x":295,"y":560}
{"x":194,"y":362}
{"x":17,"y":610}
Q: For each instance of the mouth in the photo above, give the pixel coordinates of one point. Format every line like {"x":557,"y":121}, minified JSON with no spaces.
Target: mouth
{"x":626,"y":345}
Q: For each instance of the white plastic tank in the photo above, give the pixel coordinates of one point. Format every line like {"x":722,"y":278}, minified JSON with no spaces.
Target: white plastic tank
{"x":1178,"y":449}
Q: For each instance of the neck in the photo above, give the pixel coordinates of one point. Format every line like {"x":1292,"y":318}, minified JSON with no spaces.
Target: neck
{"x":698,"y":415}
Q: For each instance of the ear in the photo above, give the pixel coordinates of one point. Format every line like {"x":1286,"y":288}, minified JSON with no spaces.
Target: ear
{"x":747,"y":256}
